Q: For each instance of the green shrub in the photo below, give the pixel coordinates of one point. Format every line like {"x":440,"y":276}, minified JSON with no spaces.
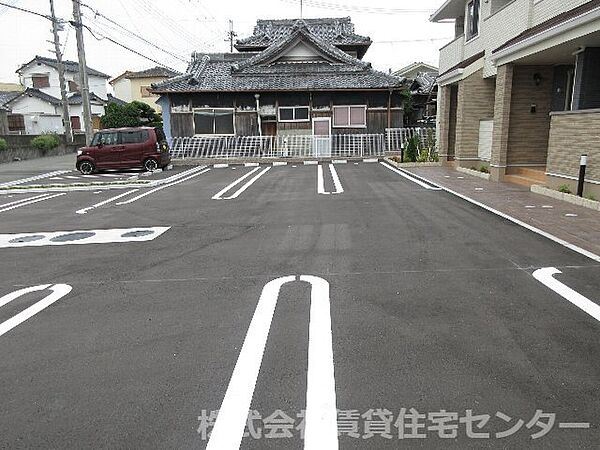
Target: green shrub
{"x":45,"y":142}
{"x":591,"y":197}
{"x":3,"y":145}
{"x":411,"y":152}
{"x":484,"y":169}
{"x":564,"y":188}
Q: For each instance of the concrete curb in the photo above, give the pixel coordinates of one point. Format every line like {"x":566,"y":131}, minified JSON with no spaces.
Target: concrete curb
{"x":475,"y":173}
{"x":569,"y":198}
{"x":225,"y":162}
{"x":412,"y":164}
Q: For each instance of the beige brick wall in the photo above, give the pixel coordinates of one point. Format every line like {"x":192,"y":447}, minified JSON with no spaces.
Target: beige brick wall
{"x":546,"y":9}
{"x":571,"y":135}
{"x":528,"y":132}
{"x":475,"y":102}
{"x":502,"y":103}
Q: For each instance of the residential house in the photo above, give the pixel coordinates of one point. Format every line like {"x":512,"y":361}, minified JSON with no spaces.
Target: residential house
{"x":289,"y":77}
{"x":130,"y":86}
{"x":37,"y":109}
{"x":3,"y":120}
{"x":421,"y":82}
{"x":413,"y":70}
{"x":519,"y":90}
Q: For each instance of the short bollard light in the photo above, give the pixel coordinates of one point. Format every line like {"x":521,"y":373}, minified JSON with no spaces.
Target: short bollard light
{"x":582,"y":167}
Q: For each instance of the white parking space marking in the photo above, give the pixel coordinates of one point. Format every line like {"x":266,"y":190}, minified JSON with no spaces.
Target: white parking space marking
{"x":105,"y":202}
{"x":219,"y":195}
{"x":16,"y":202}
{"x":321,"y":181}
{"x":311,"y":163}
{"x":151,"y":191}
{"x":371,"y":160}
{"x":40,"y":198}
{"x":408,"y":177}
{"x":34,"y":178}
{"x":279,"y":163}
{"x":80,"y":237}
{"x":321,"y":414}
{"x":220,"y":166}
{"x":546,"y":277}
{"x":251,"y":165}
{"x":58,"y":292}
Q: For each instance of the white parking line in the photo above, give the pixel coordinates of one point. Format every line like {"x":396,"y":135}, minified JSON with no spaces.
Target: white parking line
{"x":321,"y":182}
{"x":245,"y":186}
{"x":408,"y":177}
{"x":34,"y":178}
{"x":164,"y":186}
{"x":97,"y":205}
{"x":251,"y":165}
{"x":220,"y":166}
{"x":279,"y":163}
{"x":32,"y":201}
{"x":370,"y":160}
{"x":336,"y":180}
{"x":22,"y":200}
{"x":218,"y":195}
{"x":321,"y":415}
{"x":58,"y":292}
{"x":310,"y":163}
{"x":545,"y":276}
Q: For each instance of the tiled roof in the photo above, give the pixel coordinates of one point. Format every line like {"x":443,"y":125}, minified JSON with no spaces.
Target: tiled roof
{"x":423,"y":83}
{"x":70,"y":66}
{"x":32,"y":92}
{"x":154,"y":72}
{"x":264,"y":72}
{"x":553,"y":22}
{"x":115,"y":100}
{"x":336,"y":31}
{"x":7,"y":96}
{"x":76,"y":99}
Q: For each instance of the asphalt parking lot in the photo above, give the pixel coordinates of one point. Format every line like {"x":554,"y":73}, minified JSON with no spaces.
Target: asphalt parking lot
{"x":397,"y":314}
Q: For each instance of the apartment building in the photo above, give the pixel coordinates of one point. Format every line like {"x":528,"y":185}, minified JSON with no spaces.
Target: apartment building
{"x":519,"y":90}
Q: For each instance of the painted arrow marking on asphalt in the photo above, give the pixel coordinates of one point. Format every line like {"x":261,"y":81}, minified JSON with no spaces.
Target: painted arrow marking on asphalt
{"x":546,"y":277}
{"x":58,"y":292}
{"x":320,"y":431}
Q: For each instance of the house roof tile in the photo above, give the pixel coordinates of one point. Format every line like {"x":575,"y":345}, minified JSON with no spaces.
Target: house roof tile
{"x":264,"y":72}
{"x":70,"y":66}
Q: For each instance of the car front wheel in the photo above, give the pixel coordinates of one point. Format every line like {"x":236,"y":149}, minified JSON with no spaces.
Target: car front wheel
{"x":150,"y":165}
{"x":86,"y":167}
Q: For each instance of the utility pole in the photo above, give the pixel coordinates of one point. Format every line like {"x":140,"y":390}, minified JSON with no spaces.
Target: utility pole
{"x":83,"y":76}
{"x":61,"y":77}
{"x":231,"y":36}
{"x":301,"y":9}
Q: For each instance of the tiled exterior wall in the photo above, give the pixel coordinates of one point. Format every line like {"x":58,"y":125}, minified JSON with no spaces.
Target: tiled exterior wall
{"x":546,"y":9}
{"x":528,"y":135}
{"x":452,"y":54}
{"x":475,"y":102}
{"x":571,"y":135}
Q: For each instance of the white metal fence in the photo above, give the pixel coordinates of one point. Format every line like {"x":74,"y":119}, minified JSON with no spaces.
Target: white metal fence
{"x":293,"y":146}
{"x":396,"y":138}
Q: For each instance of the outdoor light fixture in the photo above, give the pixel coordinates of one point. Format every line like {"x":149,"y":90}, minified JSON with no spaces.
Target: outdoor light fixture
{"x":537,"y":78}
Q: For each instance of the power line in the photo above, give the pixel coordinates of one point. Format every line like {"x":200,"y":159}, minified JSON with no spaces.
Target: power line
{"x":103,"y":36}
{"x":8,"y":5}
{"x":412,"y":40}
{"x":99,"y":14}
{"x":359,"y":9}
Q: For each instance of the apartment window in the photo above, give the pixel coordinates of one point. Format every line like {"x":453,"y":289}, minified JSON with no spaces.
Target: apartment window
{"x":473,"y":8}
{"x":214,"y":121}
{"x":354,"y":116}
{"x":40,"y":81}
{"x":73,"y":86}
{"x":293,"y":114}
{"x":75,"y":123}
{"x":16,"y":122}
{"x":145,"y":91}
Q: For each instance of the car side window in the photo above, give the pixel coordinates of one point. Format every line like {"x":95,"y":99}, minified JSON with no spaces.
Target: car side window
{"x":106,"y":138}
{"x":130,"y":137}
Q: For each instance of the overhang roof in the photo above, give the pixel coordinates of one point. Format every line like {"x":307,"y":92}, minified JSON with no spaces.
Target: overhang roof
{"x":70,"y":66}
{"x":153,"y":72}
{"x":32,"y":92}
{"x":450,"y":10}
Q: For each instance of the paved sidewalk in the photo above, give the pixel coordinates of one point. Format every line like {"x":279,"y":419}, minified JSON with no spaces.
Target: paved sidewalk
{"x":575,"y":224}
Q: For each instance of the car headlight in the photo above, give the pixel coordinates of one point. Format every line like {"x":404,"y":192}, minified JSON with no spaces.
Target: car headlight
{"x":79,"y":152}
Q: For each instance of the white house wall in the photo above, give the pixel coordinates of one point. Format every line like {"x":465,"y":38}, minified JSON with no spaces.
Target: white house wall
{"x":122,"y":89}
{"x":97,"y":84}
{"x":32,"y":105}
{"x":40,"y":124}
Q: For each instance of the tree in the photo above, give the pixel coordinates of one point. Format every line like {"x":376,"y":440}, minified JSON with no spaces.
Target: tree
{"x":134,"y":114}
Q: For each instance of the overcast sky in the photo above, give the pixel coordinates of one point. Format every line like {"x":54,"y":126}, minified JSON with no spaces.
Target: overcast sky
{"x":400,"y":29}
